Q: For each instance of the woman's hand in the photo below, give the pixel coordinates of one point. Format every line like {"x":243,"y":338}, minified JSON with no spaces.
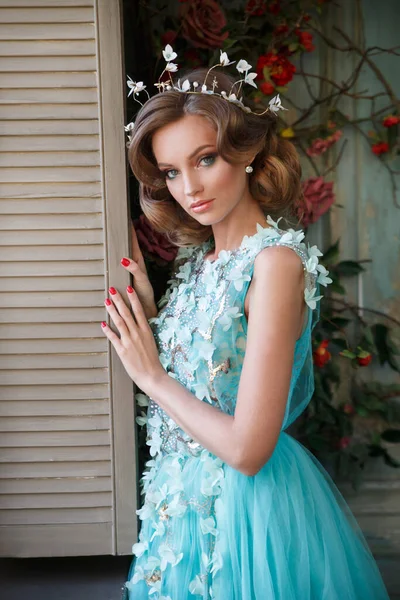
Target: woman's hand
{"x":135,"y":345}
{"x":141,"y":283}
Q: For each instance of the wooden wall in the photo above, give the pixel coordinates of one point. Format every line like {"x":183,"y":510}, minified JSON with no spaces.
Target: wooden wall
{"x":67,"y":455}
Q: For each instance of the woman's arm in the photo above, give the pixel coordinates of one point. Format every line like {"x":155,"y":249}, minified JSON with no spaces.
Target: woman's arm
{"x":247,"y":440}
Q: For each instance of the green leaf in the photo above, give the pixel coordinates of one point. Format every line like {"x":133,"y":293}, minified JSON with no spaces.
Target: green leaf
{"x":363,"y":412}
{"x":348,"y":268}
{"x":331,"y":254}
{"x":347,"y":354}
{"x":391,"y":435}
{"x":336,"y":287}
{"x":295,"y":46}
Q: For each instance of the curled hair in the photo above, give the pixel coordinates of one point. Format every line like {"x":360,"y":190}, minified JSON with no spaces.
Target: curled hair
{"x":274,"y":183}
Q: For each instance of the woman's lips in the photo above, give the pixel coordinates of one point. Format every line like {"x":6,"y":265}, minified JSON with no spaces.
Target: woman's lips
{"x":202,"y":207}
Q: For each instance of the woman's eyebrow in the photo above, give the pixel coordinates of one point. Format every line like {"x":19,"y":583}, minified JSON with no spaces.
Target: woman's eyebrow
{"x":190,"y":157}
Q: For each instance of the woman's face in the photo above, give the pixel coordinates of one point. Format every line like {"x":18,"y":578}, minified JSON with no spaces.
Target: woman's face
{"x":186,"y":154}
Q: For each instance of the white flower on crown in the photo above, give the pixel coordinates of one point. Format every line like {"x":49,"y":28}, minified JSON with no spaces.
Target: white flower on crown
{"x":250,"y":79}
{"x":171,"y":67}
{"x":224,"y":60}
{"x":168,"y":53}
{"x":135,"y":87}
{"x":243,"y":66}
{"x":130,"y":126}
{"x":275,"y":104}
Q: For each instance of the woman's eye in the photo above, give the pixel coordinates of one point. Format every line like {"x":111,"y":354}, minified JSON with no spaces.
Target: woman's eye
{"x":210,"y":159}
{"x":167,"y":173}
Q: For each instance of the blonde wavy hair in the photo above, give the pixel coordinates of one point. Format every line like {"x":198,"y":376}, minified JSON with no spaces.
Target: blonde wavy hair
{"x":274,"y":183}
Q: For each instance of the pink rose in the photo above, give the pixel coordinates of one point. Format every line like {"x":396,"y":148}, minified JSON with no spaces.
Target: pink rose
{"x":320,"y":145}
{"x":318,"y":197}
{"x":202,"y":23}
{"x":153,"y":243}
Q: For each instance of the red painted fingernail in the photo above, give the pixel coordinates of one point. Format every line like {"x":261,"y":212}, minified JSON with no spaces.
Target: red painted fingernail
{"x":112,"y":291}
{"x":125,"y":262}
{"x":103,"y":324}
{"x":129,"y":289}
{"x":107,"y":301}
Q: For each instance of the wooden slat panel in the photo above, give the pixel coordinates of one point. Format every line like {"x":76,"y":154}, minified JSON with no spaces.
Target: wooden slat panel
{"x":51,"y":14}
{"x":51,"y":127}
{"x":47,"y":48}
{"x":51,"y":501}
{"x":55,"y":485}
{"x":62,"y":515}
{"x":48,"y":346}
{"x":74,"y":407}
{"x":69,"y":454}
{"x":56,"y":469}
{"x":50,"y":142}
{"x":64,"y":174}
{"x":52,"y":299}
{"x":41,"y":31}
{"x":56,"y":268}
{"x":19,"y":64}
{"x":53,"y":424}
{"x":35,"y":284}
{"x":49,"y":205}
{"x":56,"y":540}
{"x":39,"y":3}
{"x":57,"y":221}
{"x":58,"y":438}
{"x":48,"y":159}
{"x":53,"y":361}
{"x":52,"y":377}
{"x":27,"y":253}
{"x":55,"y":392}
{"x":48,"y":80}
{"x":50,"y":190}
{"x":31,"y":331}
{"x":38,"y":111}
{"x":52,"y":315}
{"x":52,"y":236}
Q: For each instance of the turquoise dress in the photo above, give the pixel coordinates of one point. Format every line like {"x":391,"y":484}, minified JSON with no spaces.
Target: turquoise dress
{"x":207,"y":530}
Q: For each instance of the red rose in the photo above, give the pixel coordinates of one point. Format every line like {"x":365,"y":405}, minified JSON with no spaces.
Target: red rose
{"x":321,"y":355}
{"x":280,"y":69}
{"x":202,"y":23}
{"x":280,"y":30}
{"x":305,"y":39}
{"x":153,"y":243}
{"x":364,"y":361}
{"x":274,"y":7}
{"x":168,"y":37}
{"x":348,"y":409}
{"x":267,"y":88}
{"x":255,"y":8}
{"x":380,"y":148}
{"x":318,"y":197}
{"x":390,"y":121}
{"x":193,"y":57}
{"x":344,"y":442}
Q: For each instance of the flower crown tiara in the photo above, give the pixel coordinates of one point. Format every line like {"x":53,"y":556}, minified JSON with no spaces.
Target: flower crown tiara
{"x":195,"y":88}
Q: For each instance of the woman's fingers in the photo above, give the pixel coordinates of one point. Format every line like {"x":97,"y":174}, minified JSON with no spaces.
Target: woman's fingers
{"x":114,"y":339}
{"x":119,"y":313}
{"x":137,"y":307}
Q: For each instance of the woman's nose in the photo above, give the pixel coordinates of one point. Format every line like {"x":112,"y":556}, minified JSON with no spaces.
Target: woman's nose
{"x":192,"y":184}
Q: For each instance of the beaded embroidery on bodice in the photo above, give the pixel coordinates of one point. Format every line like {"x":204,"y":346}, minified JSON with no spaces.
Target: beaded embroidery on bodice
{"x":201,"y":328}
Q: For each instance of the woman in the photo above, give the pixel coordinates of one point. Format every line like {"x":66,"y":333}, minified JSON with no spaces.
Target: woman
{"x":234,"y":508}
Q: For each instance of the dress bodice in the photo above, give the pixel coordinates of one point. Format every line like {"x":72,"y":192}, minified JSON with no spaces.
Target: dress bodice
{"x":201,"y":329}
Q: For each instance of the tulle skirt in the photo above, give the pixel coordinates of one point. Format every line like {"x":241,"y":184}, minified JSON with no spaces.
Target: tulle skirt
{"x":284,"y":534}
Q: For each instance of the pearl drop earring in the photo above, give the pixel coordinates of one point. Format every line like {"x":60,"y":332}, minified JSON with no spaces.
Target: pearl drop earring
{"x":249,"y":169}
